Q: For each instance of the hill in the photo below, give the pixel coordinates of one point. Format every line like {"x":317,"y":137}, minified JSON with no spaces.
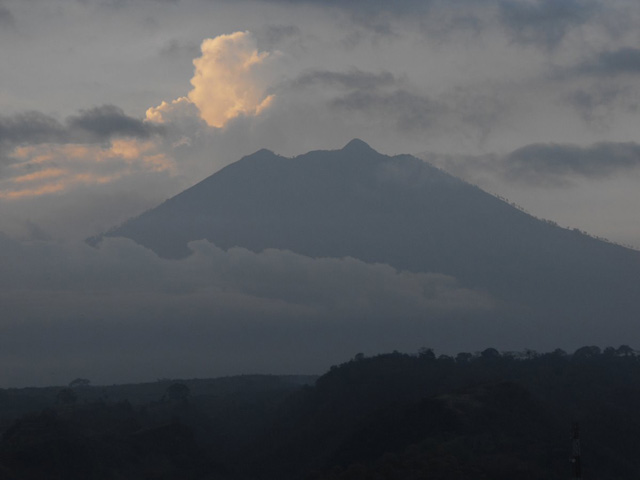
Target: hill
{"x":483,"y":415}
{"x":561,"y":286}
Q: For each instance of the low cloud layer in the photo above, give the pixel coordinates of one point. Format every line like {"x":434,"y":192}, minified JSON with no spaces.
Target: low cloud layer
{"x":121,"y":304}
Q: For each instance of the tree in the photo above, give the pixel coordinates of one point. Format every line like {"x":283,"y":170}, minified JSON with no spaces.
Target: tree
{"x":464,"y":357}
{"x":79,"y":382}
{"x":426,"y":354}
{"x":624,"y":350}
{"x":66,"y":396}
{"x":178,"y":391}
{"x":586,"y":352}
{"x":490,"y":354}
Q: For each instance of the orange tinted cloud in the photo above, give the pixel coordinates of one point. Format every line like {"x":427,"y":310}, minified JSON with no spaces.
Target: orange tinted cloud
{"x":177,"y":108}
{"x":52,"y":168}
{"x":42,"y":174}
{"x":226,"y":82}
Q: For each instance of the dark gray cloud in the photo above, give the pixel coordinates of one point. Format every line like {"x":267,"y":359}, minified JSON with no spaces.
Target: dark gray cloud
{"x":272,"y":35}
{"x":31,"y":127}
{"x":107,"y":121}
{"x":613,"y":62}
{"x":548,"y":163}
{"x":6,"y":17}
{"x":175,"y":47}
{"x":399,"y":6}
{"x":117,"y":4}
{"x":541,"y":23}
{"x":544,"y":22}
{"x":543,"y":164}
{"x":411,"y":111}
{"x":598,"y":104}
{"x":386,"y":98}
{"x":95,"y":125}
{"x":352,"y":80}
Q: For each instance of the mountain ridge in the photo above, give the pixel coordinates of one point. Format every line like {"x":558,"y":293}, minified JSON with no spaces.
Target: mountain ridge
{"x":401,"y":211}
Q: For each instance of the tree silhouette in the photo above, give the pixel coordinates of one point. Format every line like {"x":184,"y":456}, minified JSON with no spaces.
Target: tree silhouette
{"x":66,"y":396}
{"x":178,"y":391}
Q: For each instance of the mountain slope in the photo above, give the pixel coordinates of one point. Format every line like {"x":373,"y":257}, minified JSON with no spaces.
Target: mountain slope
{"x":403,"y":212}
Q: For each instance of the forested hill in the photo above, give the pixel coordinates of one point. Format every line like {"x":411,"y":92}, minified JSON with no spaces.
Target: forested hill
{"x":394,"y":416}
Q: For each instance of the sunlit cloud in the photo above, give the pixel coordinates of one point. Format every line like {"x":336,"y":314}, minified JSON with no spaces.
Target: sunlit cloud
{"x":42,"y":174}
{"x":171,"y":111}
{"x":226,"y":83}
{"x":54,"y":168}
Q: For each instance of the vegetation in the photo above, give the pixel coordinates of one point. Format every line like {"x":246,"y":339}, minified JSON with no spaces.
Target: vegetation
{"x":494,"y":415}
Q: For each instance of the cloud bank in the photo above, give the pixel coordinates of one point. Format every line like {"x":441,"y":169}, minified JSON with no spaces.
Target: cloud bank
{"x":40,"y":155}
{"x":120,"y":312}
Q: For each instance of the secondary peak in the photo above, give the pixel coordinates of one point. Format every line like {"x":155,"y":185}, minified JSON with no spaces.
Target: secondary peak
{"x":357,"y":146}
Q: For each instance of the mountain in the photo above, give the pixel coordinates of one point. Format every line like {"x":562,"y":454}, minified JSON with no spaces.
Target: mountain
{"x":401,"y":211}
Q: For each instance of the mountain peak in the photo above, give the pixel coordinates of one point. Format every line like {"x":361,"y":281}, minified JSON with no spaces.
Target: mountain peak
{"x":357,"y":146}
{"x":262,"y":153}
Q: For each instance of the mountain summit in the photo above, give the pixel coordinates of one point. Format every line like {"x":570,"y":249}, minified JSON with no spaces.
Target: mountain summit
{"x":358,"y":147}
{"x":400,"y":211}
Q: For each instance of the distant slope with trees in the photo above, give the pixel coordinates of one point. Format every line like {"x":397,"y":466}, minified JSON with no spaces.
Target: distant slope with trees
{"x":393,"y":416}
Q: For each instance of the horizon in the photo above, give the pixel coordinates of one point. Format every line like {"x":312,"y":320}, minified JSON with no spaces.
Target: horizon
{"x":109,"y":109}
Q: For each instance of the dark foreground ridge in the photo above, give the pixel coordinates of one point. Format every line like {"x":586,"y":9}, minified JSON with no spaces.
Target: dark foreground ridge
{"x":558,"y":286}
{"x":394,"y":416}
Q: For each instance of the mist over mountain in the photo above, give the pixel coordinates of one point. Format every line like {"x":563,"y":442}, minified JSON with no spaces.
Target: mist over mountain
{"x":401,"y":211}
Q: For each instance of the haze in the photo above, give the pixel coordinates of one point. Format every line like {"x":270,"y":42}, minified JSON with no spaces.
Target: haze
{"x":109,"y":107}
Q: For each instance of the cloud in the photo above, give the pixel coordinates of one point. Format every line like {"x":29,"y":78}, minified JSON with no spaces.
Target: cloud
{"x":108,"y":121}
{"x":178,"y":110}
{"x":6,"y":17}
{"x":411,"y":111}
{"x":176,"y":47}
{"x":544,"y":164}
{"x":275,"y":34}
{"x":393,"y":103}
{"x":40,"y":155}
{"x":624,"y":60}
{"x":31,"y":128}
{"x":227,"y":81}
{"x":549,"y":163}
{"x":353,"y":79}
{"x":121,"y":313}
{"x":50,"y":168}
{"x":598,"y":104}
{"x":540,"y":23}
{"x":98,"y":124}
{"x":544,"y":22}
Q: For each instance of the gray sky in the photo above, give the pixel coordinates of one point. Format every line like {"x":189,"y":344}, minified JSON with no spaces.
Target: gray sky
{"x":465,"y":79}
{"x":108,"y":107}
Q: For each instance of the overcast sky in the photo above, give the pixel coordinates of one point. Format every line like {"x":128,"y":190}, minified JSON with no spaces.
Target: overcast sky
{"x":108,"y":107}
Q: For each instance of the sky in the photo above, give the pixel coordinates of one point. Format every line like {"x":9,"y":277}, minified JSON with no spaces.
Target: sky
{"x":109,"y":107}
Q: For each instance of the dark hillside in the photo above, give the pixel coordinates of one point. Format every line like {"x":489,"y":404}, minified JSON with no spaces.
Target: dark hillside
{"x":484,"y":415}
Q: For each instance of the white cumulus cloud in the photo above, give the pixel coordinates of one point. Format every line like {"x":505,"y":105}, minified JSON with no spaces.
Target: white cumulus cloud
{"x":227,"y":82}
